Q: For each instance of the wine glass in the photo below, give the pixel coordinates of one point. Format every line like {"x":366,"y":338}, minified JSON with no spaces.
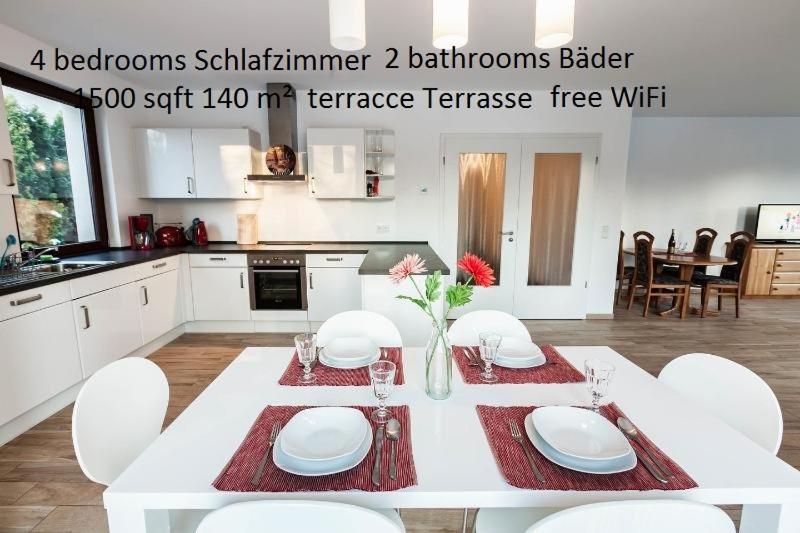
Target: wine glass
{"x":489,"y":343}
{"x":306,"y":344}
{"x":381,"y":373}
{"x":598,"y":376}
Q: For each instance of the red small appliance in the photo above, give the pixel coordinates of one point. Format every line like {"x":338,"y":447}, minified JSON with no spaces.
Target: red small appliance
{"x":167,"y":236}
{"x":197,"y":233}
{"x":140,"y":228}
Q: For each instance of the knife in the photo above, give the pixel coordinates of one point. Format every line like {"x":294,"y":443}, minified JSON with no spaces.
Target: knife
{"x":376,"y":467}
{"x":650,"y":468}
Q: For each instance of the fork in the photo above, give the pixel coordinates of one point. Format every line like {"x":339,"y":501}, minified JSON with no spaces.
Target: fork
{"x":273,"y":436}
{"x":517,"y":436}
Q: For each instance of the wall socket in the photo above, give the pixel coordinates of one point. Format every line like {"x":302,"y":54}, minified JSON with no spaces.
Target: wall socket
{"x":604,"y":232}
{"x":382,"y":228}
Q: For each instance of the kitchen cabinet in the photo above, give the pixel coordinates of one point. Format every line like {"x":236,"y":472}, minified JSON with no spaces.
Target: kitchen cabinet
{"x":197,"y":163}
{"x":166,"y":168}
{"x":220,"y":293}
{"x":222,"y":160}
{"x":160,"y":306}
{"x":336,"y":164}
{"x":332,"y":290}
{"x":8,"y":175}
{"x":37,"y":364}
{"x":108,"y":326}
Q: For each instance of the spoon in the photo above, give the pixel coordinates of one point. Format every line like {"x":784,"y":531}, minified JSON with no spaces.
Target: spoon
{"x":632,"y":433}
{"x":393,"y":434}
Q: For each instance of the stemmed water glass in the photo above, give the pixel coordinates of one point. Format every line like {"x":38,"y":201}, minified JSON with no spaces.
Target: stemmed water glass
{"x":381,"y":373}
{"x":598,"y":376}
{"x":489,"y":343}
{"x":306,"y":344}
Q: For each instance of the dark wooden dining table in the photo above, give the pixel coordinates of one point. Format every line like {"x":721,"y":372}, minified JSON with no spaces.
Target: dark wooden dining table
{"x":686,"y":263}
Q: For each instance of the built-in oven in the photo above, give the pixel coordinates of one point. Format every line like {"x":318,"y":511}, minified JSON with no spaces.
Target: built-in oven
{"x":277,"y":281}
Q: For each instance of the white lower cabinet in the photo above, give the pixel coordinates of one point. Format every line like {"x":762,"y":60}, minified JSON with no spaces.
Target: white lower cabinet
{"x":160,"y":305}
{"x":35,"y":365}
{"x":332,"y":291}
{"x":220,"y":294}
{"x":108,"y":326}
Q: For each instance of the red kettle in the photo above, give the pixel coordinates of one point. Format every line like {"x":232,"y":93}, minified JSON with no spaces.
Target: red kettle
{"x":197,"y":233}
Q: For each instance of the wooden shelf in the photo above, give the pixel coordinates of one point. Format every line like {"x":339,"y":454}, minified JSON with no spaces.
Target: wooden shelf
{"x":291,"y":178}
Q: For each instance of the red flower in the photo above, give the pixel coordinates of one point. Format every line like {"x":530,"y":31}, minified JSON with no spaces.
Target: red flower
{"x":478,"y":269}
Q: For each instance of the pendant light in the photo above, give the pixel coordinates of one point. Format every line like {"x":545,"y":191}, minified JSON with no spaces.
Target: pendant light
{"x":450,"y":23}
{"x":347,"y":20}
{"x":555,"y":23}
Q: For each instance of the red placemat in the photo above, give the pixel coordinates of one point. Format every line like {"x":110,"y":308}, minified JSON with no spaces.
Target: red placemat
{"x":511,"y":460}
{"x":340,"y":377}
{"x":555,"y":370}
{"x":237,"y":473}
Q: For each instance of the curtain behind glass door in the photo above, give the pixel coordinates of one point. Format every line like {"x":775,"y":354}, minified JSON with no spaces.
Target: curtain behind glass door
{"x":481,"y":192}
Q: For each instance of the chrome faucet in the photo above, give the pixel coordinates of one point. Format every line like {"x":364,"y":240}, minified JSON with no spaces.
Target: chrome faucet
{"x":36,"y":256}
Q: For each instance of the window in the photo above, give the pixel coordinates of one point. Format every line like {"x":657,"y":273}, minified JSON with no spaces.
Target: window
{"x":60,"y":200}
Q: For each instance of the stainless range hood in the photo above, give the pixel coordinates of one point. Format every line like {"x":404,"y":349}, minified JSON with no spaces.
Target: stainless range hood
{"x":282,"y":127}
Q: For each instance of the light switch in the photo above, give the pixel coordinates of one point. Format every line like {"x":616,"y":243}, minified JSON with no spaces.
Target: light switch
{"x":382,"y":228}
{"x":604,"y":232}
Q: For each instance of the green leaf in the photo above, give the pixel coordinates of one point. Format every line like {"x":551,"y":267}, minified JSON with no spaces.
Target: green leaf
{"x":433,"y":286}
{"x":419,"y":302}
{"x":458,"y":295}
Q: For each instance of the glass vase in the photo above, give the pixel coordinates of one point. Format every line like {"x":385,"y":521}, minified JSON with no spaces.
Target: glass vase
{"x":438,"y":364}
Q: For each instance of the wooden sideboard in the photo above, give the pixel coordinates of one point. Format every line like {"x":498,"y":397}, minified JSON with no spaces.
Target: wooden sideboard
{"x":774,"y":271}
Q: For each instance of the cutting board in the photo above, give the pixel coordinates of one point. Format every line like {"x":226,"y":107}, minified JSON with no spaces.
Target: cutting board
{"x":247,"y":229}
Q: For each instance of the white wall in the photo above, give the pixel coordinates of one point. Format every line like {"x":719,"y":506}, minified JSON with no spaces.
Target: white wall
{"x":287,"y":212}
{"x":113,"y":130}
{"x":687,"y":173}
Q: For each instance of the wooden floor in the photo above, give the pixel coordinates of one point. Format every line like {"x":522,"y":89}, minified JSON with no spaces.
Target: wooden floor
{"x":42,"y":487}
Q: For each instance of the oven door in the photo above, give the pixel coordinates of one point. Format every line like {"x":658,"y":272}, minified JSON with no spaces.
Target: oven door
{"x":277,"y":288}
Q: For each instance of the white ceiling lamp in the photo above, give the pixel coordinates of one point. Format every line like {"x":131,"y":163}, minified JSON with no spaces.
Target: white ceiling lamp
{"x":450,"y":23}
{"x":555,"y":23}
{"x":348,"y":24}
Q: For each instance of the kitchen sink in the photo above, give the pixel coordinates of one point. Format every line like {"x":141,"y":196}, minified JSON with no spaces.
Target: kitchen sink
{"x":57,"y":268}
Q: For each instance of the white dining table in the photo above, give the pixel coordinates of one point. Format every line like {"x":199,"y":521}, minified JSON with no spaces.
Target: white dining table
{"x":454,"y":463}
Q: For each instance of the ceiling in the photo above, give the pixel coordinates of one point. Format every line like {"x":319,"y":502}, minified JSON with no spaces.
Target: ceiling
{"x":716,"y":57}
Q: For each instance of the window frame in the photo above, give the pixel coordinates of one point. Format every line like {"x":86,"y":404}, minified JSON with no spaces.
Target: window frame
{"x":30,"y":85}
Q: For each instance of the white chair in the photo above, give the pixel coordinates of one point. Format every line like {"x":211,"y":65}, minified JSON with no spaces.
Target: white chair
{"x":465,"y":330}
{"x":656,"y":516}
{"x":731,"y":392}
{"x":118,"y":413}
{"x":299,"y":517}
{"x":366,"y":324}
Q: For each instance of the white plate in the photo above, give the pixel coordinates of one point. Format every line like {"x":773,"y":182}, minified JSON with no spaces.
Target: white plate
{"x":580,"y":433}
{"x":350,"y":349}
{"x":356,"y":363}
{"x":320,"y":468}
{"x":613,"y":466}
{"x":324,"y":433}
{"x":523,"y":363}
{"x":518,"y":349}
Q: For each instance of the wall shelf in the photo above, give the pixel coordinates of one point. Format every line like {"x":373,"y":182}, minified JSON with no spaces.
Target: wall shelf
{"x":375,"y":198}
{"x":271,"y":178}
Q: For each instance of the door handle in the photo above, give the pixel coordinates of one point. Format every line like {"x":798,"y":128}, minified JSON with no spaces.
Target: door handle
{"x":12,"y":173}
{"x":146,"y":297}
{"x":241,"y":280}
{"x":87,"y":323}
{"x":244,"y":185}
{"x":189,"y":184}
{"x":506,"y":233}
{"x":311,"y":280}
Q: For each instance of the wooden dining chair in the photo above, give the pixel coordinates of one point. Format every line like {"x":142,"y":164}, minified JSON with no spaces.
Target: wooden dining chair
{"x":703,"y":245}
{"x":624,"y":273}
{"x":728,"y":283}
{"x":466,"y":329}
{"x":366,"y":324}
{"x":653,"y":283}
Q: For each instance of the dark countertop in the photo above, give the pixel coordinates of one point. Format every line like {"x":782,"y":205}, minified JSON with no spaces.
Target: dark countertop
{"x":380,"y":257}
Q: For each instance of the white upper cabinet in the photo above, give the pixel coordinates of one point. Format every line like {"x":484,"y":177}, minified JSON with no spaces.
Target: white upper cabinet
{"x":197,"y":163}
{"x":336,"y":162}
{"x":222,"y":160}
{"x":166,"y":169}
{"x":8,"y":177}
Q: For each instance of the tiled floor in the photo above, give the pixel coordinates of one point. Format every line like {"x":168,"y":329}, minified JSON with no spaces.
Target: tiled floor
{"x":43,"y":489}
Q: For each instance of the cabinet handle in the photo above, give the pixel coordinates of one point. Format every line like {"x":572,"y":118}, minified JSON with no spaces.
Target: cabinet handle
{"x":217,"y":258}
{"x":23,"y":301}
{"x":334,"y":259}
{"x":146,"y":297}
{"x":311,"y":280}
{"x":159,"y":265}
{"x":12,"y":173}
{"x":189,"y":184}
{"x":87,"y":323}
{"x":245,"y":184}
{"x":241,"y":280}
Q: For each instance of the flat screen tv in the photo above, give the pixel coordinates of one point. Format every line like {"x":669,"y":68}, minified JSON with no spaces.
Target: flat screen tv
{"x":778,"y":222}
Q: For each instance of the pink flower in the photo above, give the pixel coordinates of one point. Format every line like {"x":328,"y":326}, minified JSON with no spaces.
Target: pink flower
{"x":410,"y":264}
